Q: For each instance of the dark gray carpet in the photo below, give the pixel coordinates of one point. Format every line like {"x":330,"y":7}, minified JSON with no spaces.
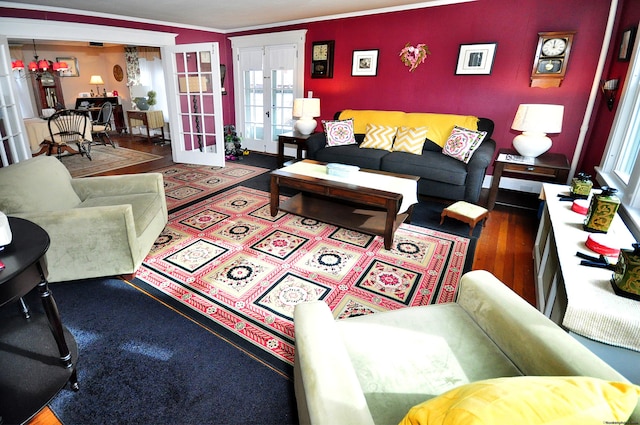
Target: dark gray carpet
{"x":142,"y":363}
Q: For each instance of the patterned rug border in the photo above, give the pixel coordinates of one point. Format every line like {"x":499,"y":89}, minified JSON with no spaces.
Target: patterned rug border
{"x":187,"y":184}
{"x":80,"y":166}
{"x":178,"y":273}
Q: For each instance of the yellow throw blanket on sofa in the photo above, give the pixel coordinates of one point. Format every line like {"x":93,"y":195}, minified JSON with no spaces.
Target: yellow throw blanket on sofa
{"x":440,"y":125}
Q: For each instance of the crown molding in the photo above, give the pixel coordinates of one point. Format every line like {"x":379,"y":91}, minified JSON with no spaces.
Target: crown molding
{"x":422,"y":5}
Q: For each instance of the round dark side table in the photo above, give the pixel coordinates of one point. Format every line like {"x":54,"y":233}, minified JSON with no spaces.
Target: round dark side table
{"x":37,"y":353}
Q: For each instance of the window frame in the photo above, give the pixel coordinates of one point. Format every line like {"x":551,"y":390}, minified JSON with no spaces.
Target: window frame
{"x":626,"y":124}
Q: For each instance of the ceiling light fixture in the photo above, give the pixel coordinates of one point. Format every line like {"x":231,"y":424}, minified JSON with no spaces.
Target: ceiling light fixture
{"x":38,"y":66}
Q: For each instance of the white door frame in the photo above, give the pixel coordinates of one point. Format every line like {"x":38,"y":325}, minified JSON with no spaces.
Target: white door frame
{"x":296,"y":37}
{"x":71,"y":31}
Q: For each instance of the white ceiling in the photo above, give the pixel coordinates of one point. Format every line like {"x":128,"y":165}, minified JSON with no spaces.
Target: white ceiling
{"x":227,"y":15}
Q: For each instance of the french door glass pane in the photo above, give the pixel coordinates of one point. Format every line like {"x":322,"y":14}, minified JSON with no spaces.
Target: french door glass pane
{"x":282,"y":97}
{"x":253,"y":104}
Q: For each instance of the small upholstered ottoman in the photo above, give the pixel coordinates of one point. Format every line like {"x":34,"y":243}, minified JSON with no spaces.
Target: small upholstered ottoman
{"x":465,"y":212}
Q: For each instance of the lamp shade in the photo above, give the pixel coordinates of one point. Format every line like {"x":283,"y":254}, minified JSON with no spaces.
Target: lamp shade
{"x":18,"y":64}
{"x":535,"y":120}
{"x":306,"y":107}
{"x":96,"y":79}
{"x":139,"y":91}
{"x":540,"y":118}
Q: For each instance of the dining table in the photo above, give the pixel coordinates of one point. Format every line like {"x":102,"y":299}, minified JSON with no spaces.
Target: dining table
{"x":38,"y":130}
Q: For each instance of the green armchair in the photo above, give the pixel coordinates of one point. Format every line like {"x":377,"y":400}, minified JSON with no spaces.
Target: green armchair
{"x":99,"y":226}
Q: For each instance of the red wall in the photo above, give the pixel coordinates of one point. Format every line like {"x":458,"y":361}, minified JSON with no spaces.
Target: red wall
{"x":434,"y":87}
{"x":628,"y":16}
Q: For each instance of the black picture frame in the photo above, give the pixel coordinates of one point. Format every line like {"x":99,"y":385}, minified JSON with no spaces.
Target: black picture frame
{"x":476,"y":59}
{"x":364,"y":63}
{"x":626,"y":44}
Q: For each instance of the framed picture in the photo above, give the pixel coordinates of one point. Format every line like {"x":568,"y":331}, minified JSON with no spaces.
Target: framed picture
{"x":476,"y":59}
{"x":626,"y":44}
{"x":72,"y":63}
{"x":365,"y":63}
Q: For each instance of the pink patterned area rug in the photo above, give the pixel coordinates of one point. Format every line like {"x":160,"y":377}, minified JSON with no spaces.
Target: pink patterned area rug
{"x":185,"y":183}
{"x":233,"y":265}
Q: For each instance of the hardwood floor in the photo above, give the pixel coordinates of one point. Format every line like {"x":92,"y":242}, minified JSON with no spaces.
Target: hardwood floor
{"x":505,"y":246}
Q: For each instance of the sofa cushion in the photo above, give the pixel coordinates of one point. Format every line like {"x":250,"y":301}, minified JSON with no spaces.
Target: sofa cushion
{"x":529,"y":400}
{"x":339,"y":132}
{"x":379,"y":137}
{"x":410,"y":139}
{"x":440,"y":125}
{"x":353,"y":155}
{"x":145,"y":206}
{"x":462,"y":143}
{"x":430,"y":165}
{"x":45,"y":185}
{"x":429,"y":344}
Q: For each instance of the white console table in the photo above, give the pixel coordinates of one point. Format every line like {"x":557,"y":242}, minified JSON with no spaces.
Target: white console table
{"x":580,"y":298}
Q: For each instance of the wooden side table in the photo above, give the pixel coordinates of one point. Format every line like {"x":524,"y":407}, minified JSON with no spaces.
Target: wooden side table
{"x":548,"y":167}
{"x":291,"y":138}
{"x":37,"y":355}
{"x":151,"y":120}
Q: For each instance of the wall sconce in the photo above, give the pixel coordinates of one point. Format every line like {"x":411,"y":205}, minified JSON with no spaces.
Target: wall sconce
{"x":609,"y":89}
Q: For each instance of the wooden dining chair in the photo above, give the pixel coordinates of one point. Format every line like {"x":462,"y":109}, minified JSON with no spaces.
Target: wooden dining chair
{"x":102,"y":125}
{"x":68,"y":127}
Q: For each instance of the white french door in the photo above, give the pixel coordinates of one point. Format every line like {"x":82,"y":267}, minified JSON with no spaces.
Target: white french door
{"x":268,"y":75}
{"x":197,"y":119}
{"x":13,"y":143}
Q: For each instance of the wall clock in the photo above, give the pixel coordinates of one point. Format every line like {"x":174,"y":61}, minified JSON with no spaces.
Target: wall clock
{"x":322,"y":59}
{"x":552,"y":55}
{"x":117,"y":73}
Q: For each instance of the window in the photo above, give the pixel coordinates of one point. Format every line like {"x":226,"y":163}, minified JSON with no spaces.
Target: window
{"x":620,"y":167}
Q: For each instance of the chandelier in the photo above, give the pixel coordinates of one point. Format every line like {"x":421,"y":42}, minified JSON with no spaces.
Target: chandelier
{"x":39,"y":66}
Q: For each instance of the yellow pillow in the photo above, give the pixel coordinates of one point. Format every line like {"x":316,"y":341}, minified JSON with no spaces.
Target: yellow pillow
{"x":410,"y":139}
{"x":528,"y":400}
{"x":378,"y":137}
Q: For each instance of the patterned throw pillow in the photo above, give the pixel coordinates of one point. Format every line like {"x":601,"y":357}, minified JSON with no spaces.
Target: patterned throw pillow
{"x":379,"y":137}
{"x":462,"y":143}
{"x":410,"y":139}
{"x":339,"y":132}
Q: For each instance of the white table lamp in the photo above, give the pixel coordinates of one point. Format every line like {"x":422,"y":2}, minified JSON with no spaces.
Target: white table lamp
{"x":535,"y":121}
{"x":306,"y":109}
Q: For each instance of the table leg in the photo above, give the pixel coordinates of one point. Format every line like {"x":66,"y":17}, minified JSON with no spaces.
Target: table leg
{"x":280,"y":152}
{"x":275,"y":196}
{"x":55,"y":324}
{"x":495,"y":184}
{"x":390,"y":220}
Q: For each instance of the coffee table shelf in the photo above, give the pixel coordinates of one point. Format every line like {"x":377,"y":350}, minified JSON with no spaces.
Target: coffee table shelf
{"x":344,"y":214}
{"x":347,"y":205}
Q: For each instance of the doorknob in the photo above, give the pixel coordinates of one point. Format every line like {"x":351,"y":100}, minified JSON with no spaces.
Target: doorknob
{"x":268,"y":114}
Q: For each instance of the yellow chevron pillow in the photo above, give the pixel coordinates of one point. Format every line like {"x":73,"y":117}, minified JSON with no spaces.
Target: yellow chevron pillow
{"x":410,"y":139}
{"x":379,"y":137}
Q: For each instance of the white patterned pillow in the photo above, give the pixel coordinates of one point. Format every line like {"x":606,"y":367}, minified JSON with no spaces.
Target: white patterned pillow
{"x":379,"y":137}
{"x":410,"y":139}
{"x":339,"y":132}
{"x":462,"y":143}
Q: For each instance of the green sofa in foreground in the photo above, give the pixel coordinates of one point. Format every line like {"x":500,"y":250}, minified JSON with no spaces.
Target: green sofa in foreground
{"x":99,"y":226}
{"x":373,"y":369}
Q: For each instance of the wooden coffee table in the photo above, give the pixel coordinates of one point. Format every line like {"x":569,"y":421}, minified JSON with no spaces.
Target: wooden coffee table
{"x":341,"y":203}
